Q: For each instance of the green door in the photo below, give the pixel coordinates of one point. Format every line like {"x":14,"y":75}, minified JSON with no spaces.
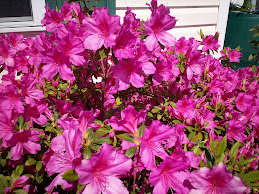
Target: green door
{"x":111,"y":4}
{"x":238,"y":33}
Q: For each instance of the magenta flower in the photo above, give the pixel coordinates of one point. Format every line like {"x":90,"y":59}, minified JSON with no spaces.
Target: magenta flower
{"x":67,"y":152}
{"x":128,"y":72}
{"x":156,"y":27}
{"x":210,"y":43}
{"x":170,"y":174}
{"x":130,"y":119}
{"x":56,"y":61}
{"x":185,"y":109}
{"x":10,"y":99}
{"x":86,"y":120}
{"x":102,"y":29}
{"x":64,"y":155}
{"x":151,"y":143}
{"x":6,"y":54}
{"x":26,"y":140}
{"x":130,"y":22}
{"x":217,"y":180}
{"x":244,"y":101}
{"x":231,"y":55}
{"x":101,"y":172}
{"x":125,"y":43}
{"x":6,"y":125}
{"x":72,"y":47}
{"x":17,"y":41}
{"x":52,"y":19}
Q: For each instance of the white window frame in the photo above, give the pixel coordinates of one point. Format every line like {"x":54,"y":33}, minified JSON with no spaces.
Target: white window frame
{"x":38,"y":11}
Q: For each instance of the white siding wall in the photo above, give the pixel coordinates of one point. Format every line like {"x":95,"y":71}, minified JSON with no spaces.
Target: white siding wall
{"x":191,"y":15}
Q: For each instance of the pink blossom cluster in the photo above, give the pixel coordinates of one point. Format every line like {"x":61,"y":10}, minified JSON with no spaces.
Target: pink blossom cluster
{"x":165,"y":115}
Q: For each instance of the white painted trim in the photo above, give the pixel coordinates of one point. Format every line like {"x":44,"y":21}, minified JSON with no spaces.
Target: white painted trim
{"x":38,"y":11}
{"x":222,"y":20}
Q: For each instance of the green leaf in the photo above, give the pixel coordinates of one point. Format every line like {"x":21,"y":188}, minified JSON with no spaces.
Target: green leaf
{"x":70,"y":175}
{"x":155,"y":109}
{"x":126,"y":137}
{"x":20,"y":121}
{"x":102,"y":54}
{"x":99,"y":134}
{"x":19,"y":169}
{"x":3,"y":181}
{"x":233,"y":152}
{"x":256,"y":34}
{"x":251,"y":176}
{"x":254,"y":68}
{"x":244,"y":162}
{"x":141,"y":130}
{"x":212,"y":146}
{"x":103,"y":140}
{"x":220,"y":158}
{"x":209,"y":107}
{"x":131,"y":151}
{"x":149,"y":114}
{"x":14,"y":177}
{"x":209,"y":159}
{"x":3,"y":162}
{"x":182,"y":68}
{"x":30,"y":162}
{"x":38,"y":165}
{"x":172,"y":104}
{"x":87,"y":153}
{"x":20,"y":191}
{"x":118,"y":101}
{"x":206,"y":124}
{"x":177,"y":121}
{"x":222,"y":146}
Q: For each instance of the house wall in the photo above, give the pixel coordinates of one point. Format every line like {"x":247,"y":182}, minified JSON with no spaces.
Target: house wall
{"x":191,"y":15}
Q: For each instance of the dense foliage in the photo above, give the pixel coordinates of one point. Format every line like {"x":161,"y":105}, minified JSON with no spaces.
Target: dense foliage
{"x":105,"y":107}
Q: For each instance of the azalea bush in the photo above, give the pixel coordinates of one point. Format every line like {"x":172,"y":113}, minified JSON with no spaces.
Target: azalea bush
{"x":109,"y":106}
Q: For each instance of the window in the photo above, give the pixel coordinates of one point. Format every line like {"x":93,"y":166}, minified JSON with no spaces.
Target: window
{"x":21,"y":15}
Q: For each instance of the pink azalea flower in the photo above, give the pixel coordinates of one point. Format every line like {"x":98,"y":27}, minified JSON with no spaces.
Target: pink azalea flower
{"x":170,"y":174}
{"x":52,"y":19}
{"x":210,"y":43}
{"x":130,"y":119}
{"x":86,"y":120}
{"x":72,"y":47}
{"x":6,"y":54}
{"x":6,"y":125}
{"x":217,"y":180}
{"x":11,"y":100}
{"x":65,"y":155}
{"x":185,"y":109}
{"x":56,"y":61}
{"x":244,"y":101}
{"x":16,"y":41}
{"x":101,"y":172}
{"x":231,"y":55}
{"x":163,"y":72}
{"x":236,"y":131}
{"x":156,"y":27}
{"x":101,"y":28}
{"x":29,"y":90}
{"x":130,"y":22}
{"x":25,"y":140}
{"x":125,"y":43}
{"x":181,"y":46}
{"x":151,"y":143}
{"x":128,"y":72}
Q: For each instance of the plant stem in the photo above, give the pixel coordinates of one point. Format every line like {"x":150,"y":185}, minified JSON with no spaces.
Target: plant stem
{"x":135,"y":173}
{"x":104,"y":86}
